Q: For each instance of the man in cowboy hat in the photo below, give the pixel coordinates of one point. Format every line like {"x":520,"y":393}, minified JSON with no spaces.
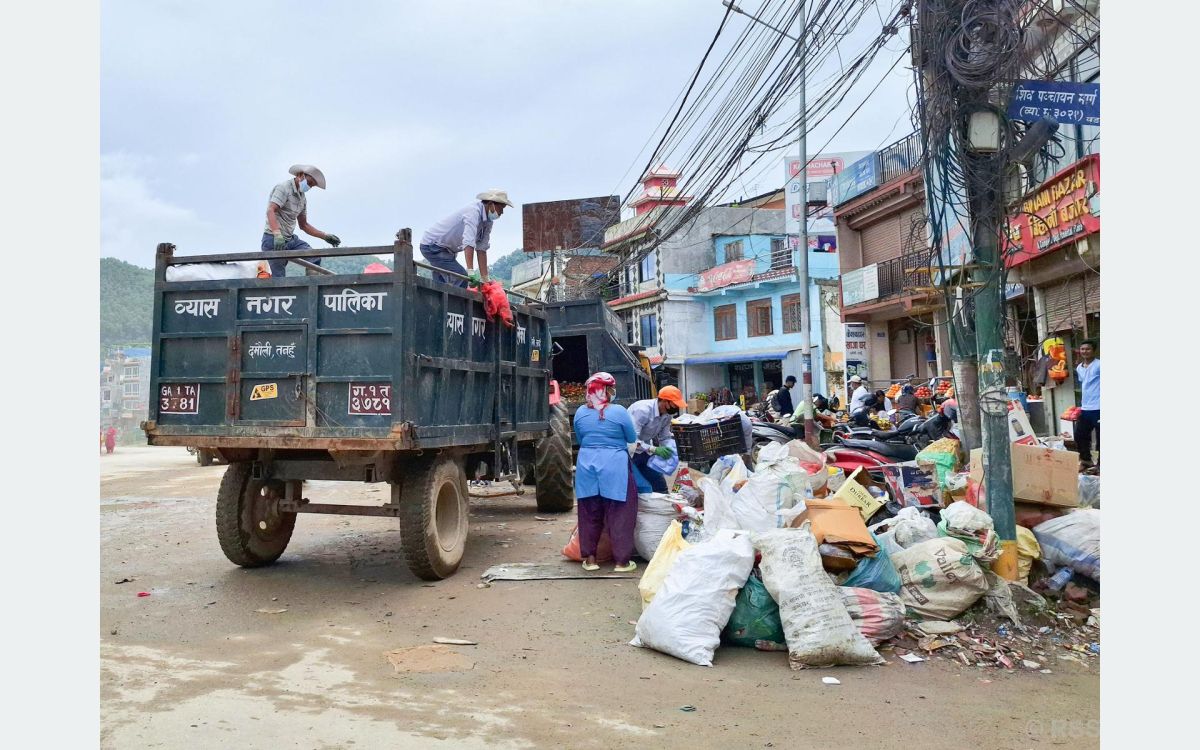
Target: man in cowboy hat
{"x":285,"y":209}
{"x":467,"y":230}
{"x":858,"y":393}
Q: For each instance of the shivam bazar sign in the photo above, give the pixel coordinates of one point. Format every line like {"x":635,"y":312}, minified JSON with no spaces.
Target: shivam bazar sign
{"x":1063,"y":209}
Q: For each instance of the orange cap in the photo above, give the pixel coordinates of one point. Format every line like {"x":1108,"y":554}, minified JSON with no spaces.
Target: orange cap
{"x":672,"y":394}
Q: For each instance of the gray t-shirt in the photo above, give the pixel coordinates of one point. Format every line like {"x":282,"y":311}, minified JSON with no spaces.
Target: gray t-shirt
{"x":291,"y":203}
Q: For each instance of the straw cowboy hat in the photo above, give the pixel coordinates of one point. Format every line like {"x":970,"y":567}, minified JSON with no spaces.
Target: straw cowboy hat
{"x":308,"y":169}
{"x":495,"y":196}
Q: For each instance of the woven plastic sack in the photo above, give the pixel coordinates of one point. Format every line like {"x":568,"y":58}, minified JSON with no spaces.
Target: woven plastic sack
{"x":1072,"y":541}
{"x":694,"y":603}
{"x":939,"y":578}
{"x":669,"y":548}
{"x":816,"y":625}
{"x":879,"y":616}
{"x":755,"y":620}
{"x":655,"y":513}
{"x":1028,"y":550}
{"x":603,"y":547}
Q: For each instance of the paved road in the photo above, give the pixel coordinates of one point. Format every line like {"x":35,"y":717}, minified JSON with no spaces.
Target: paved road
{"x":195,"y":664}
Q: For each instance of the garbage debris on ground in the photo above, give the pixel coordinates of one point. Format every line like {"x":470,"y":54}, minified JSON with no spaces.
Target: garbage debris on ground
{"x":455,"y":641}
{"x":655,"y":513}
{"x":1089,"y":491}
{"x":831,"y":589}
{"x":545,"y":572}
{"x":603,"y":548}
{"x":943,"y":454}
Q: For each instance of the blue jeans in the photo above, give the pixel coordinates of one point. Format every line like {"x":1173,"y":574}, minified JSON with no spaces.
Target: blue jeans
{"x":440,"y":257}
{"x":279,"y":265}
{"x":657,"y":482}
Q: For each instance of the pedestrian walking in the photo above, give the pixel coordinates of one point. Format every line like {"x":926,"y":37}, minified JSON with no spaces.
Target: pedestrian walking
{"x":287,"y":208}
{"x":1088,"y":421}
{"x":605,"y":492}
{"x":110,"y":439}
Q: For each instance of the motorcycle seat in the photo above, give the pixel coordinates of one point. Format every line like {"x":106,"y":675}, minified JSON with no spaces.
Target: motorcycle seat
{"x":898,"y":451}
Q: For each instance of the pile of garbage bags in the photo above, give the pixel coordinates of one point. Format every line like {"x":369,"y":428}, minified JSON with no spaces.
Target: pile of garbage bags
{"x":782,"y":558}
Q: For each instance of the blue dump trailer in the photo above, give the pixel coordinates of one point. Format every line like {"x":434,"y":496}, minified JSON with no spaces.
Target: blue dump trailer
{"x":381,"y":377}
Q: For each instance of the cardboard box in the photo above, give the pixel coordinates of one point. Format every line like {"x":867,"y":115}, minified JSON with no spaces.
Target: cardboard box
{"x":854,"y":494}
{"x":1066,"y":429}
{"x":695,"y":405}
{"x":835,"y":522}
{"x":1040,"y":475}
{"x":1019,"y":429}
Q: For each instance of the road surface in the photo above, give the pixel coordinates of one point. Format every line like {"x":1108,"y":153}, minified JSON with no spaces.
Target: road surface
{"x":208,"y":660}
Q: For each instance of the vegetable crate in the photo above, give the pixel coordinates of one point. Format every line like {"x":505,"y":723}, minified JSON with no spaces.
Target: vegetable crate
{"x":708,"y":442}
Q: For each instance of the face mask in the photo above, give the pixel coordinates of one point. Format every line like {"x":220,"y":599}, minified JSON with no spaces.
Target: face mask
{"x":673,"y":411}
{"x":303,"y":186}
{"x":492,"y":215}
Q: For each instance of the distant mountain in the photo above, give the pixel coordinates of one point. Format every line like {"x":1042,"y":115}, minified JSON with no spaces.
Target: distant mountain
{"x":126,"y":303}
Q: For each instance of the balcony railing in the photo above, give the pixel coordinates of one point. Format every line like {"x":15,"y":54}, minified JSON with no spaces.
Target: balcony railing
{"x":904,"y":275}
{"x":900,"y":158}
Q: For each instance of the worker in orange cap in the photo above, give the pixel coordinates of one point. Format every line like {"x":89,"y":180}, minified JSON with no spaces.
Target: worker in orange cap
{"x":652,"y":421}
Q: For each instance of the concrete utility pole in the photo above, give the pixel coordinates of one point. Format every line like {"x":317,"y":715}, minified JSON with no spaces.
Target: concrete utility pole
{"x":806,"y":385}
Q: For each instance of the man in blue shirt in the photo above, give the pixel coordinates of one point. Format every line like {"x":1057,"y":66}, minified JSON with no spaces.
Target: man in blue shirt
{"x":1087,"y":372}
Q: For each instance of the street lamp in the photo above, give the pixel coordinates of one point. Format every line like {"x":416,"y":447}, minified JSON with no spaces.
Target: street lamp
{"x":806,"y":390}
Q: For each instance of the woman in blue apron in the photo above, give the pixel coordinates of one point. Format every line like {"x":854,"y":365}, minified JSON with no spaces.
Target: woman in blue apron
{"x":606,"y":496}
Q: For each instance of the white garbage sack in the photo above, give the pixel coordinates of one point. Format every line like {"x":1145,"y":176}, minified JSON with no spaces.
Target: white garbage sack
{"x":235,"y":269}
{"x":742,"y":511}
{"x":693,"y":605}
{"x":974,"y":527}
{"x":910,"y":526}
{"x":1072,"y":541}
{"x":669,"y":549}
{"x":777,"y":485}
{"x":1089,"y":490}
{"x":939,"y":578}
{"x":655,"y":513}
{"x":818,"y":629}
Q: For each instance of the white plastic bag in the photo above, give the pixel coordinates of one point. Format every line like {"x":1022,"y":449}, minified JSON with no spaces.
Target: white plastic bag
{"x":692,"y":606}
{"x":1089,"y":490}
{"x":816,"y":625}
{"x":974,"y":527}
{"x":910,"y":526}
{"x":1072,"y":541}
{"x":939,"y":578}
{"x":656,"y":511}
{"x":235,"y":269}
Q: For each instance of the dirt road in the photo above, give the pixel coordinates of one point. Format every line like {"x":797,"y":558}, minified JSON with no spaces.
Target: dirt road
{"x":209,"y":660}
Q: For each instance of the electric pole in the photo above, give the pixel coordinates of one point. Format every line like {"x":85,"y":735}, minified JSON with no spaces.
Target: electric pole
{"x":806,"y":385}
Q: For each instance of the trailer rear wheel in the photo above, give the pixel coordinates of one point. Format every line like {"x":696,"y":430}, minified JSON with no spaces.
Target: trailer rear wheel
{"x":552,"y":465}
{"x":250,"y":527}
{"x":433,"y":516}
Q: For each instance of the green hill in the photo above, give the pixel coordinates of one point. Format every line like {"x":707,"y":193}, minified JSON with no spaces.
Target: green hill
{"x":126,"y":303}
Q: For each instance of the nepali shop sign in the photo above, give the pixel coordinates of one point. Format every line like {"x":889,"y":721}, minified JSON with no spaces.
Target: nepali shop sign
{"x":735,"y":272}
{"x":860,"y":285}
{"x":1065,"y":101}
{"x":1064,"y":209}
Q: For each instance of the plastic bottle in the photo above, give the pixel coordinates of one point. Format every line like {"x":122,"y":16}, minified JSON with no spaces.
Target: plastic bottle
{"x":1059,"y":579}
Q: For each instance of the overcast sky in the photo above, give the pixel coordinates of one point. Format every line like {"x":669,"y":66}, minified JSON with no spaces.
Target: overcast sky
{"x":410,"y":108}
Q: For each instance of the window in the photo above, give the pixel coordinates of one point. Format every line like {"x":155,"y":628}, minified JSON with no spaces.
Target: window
{"x":628,"y":318}
{"x":791,"y":313}
{"x":131,"y":371}
{"x":725,"y":322}
{"x":132,"y":389}
{"x":649,"y":330}
{"x":646,"y":269}
{"x":734,"y":251}
{"x":106,"y":396}
{"x":758,"y":317}
{"x":781,"y":257}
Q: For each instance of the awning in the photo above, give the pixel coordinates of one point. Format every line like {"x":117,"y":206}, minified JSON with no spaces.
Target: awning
{"x":744,"y":356}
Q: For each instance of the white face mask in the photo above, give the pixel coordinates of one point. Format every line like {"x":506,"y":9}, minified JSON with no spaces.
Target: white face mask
{"x":492,"y":215}
{"x":303,"y":185}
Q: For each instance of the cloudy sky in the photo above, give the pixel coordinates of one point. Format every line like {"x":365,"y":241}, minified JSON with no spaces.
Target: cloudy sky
{"x":410,"y":108}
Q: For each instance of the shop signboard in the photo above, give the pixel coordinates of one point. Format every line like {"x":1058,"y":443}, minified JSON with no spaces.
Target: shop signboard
{"x":860,"y":285}
{"x":855,"y":180}
{"x":820,"y":169}
{"x":1065,"y":101}
{"x":1061,"y":210}
{"x":856,"y":352}
{"x":736,"y":272}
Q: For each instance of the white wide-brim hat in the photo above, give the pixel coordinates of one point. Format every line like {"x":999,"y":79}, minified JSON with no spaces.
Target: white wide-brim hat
{"x":309,"y":169}
{"x":495,"y":196}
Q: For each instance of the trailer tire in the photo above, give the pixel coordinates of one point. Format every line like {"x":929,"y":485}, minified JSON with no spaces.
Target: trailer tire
{"x":433,"y":516}
{"x":552,"y":465}
{"x":253,"y":532}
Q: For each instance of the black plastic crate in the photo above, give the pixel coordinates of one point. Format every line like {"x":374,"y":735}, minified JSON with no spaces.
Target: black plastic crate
{"x":708,"y":442}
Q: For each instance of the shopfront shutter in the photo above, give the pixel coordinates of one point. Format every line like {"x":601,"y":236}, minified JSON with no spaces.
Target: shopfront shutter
{"x":1069,"y":302}
{"x":912,"y":230}
{"x":881,"y":241}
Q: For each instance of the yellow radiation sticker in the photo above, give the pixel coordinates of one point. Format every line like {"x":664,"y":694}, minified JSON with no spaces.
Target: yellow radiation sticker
{"x":535,"y":355}
{"x":264,"y":390}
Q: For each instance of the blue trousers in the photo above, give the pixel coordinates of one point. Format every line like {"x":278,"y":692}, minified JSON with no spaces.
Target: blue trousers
{"x":440,"y":257}
{"x":278,"y":265}
{"x":657,"y":482}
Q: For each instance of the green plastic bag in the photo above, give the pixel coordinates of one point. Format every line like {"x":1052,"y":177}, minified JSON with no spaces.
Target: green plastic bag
{"x":755,"y":620}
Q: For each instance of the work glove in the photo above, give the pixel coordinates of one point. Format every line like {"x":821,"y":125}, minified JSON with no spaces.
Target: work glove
{"x":333,"y":239}
{"x":279,"y":241}
{"x":662,"y":451}
{"x":473,"y":276}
